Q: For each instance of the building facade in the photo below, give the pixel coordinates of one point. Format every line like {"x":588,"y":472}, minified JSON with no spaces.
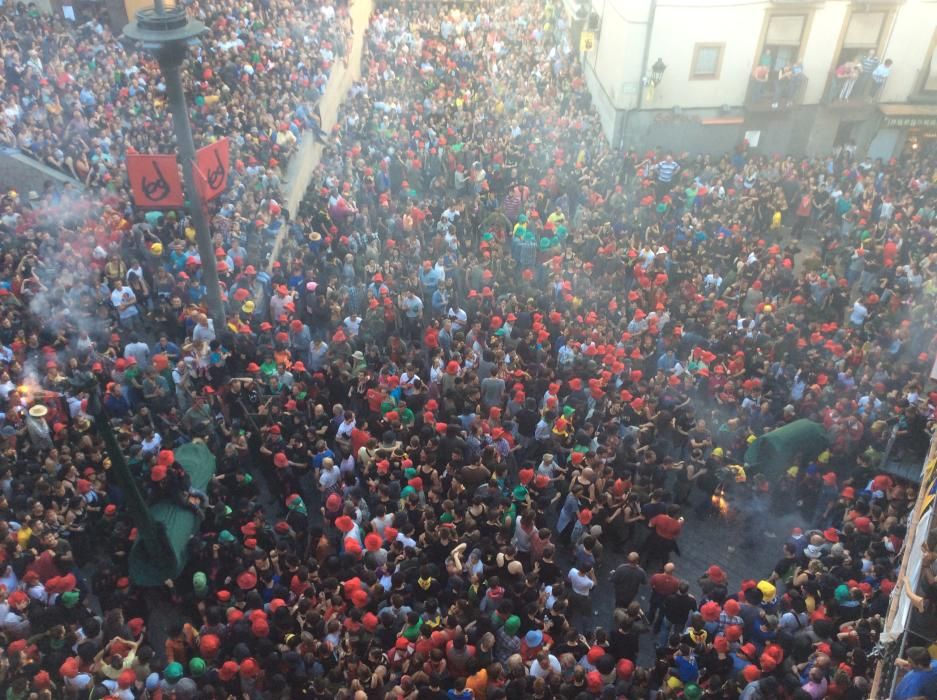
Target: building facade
{"x":787,"y":76}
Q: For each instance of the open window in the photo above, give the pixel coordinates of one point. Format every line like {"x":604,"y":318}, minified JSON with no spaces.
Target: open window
{"x":784,"y":37}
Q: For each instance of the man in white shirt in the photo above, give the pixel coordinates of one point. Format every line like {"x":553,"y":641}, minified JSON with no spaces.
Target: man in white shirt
{"x":459,"y":318}
{"x":125,"y":301}
{"x":544,"y":665}
{"x":346,"y":426}
{"x":138,"y":350}
{"x":859,"y":314}
{"x":407,"y":378}
{"x":581,"y":581}
{"x":329,"y":475}
{"x":352,"y":325}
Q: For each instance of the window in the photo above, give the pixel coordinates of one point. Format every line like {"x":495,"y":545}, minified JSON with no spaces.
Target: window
{"x":707,"y":61}
{"x":783,"y":38}
{"x":863,"y":34}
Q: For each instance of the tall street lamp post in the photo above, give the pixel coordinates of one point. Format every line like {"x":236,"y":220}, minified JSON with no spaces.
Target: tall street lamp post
{"x":168,"y":32}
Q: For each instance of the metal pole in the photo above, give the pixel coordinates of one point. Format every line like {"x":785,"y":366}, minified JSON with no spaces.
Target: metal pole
{"x":645,"y":57}
{"x":152,"y":534}
{"x":170,"y":58}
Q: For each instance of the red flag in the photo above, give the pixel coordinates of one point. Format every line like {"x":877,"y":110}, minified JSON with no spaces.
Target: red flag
{"x":201,"y":185}
{"x":154,"y":181}
{"x":213,"y":162}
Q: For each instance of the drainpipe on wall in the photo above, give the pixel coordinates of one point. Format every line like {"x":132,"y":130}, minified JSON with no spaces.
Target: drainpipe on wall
{"x":648,"y":32}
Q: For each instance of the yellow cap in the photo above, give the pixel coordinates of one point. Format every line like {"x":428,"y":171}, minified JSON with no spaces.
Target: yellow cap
{"x":248,"y":307}
{"x":767,"y":589}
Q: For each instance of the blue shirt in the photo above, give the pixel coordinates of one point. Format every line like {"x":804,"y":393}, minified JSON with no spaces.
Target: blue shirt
{"x":918,"y":683}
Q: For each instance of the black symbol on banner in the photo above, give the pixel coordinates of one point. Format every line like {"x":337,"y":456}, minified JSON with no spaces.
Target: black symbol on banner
{"x":157,"y":190}
{"x":216,"y":176}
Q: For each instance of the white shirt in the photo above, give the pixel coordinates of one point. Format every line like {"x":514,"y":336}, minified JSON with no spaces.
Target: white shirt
{"x":344,"y":430}
{"x":580,"y":584}
{"x":352,"y":326}
{"x":329,"y":477}
{"x":152,"y":445}
{"x":859,"y":314}
{"x":459,"y":317}
{"x":538,"y":671}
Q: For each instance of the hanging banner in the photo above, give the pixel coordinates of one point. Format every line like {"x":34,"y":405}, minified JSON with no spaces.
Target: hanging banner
{"x":154,"y":181}
{"x":586,"y":42}
{"x":212,"y":163}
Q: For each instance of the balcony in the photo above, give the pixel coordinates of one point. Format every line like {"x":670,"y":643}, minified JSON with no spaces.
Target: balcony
{"x":846,"y":93}
{"x":775,"y":95}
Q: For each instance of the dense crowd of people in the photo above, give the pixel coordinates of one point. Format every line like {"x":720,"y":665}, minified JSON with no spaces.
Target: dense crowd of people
{"x":495,"y":372}
{"x":79,"y":98}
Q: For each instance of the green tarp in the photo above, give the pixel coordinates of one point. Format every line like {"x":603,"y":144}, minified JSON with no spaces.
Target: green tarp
{"x":774,"y":452}
{"x":180,"y":522}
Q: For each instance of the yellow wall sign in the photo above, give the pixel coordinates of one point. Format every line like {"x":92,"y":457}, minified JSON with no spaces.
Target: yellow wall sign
{"x":586,"y":41}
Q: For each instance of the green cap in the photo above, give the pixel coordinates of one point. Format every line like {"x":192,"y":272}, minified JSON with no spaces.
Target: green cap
{"x":568,"y":411}
{"x":520,"y":493}
{"x":197,"y":666}
{"x":406,"y":491}
{"x":691,"y":691}
{"x":500,"y":332}
{"x":173,"y":672}
{"x":70,"y":598}
{"x":512,"y":624}
{"x":226,"y":537}
{"x":841,"y":592}
{"x":409,"y":472}
{"x":199,"y":582}
{"x":248,"y":479}
{"x":488,"y":236}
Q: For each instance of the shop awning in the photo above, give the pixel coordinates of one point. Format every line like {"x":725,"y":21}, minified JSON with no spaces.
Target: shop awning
{"x":909,"y":116}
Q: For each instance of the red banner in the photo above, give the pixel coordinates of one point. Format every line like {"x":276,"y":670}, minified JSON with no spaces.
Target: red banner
{"x":154,"y":181}
{"x":212,"y":164}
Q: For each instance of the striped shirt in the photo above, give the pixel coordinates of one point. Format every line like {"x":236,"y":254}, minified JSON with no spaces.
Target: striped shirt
{"x":666,"y":170}
{"x":869,"y":63}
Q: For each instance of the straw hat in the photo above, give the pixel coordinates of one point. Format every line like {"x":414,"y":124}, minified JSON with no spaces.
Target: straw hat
{"x":38,"y":411}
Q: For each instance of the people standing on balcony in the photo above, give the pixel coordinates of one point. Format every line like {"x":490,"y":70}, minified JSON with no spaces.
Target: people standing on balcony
{"x":783,"y":87}
{"x":880,"y":76}
{"x":868,"y":64}
{"x":846,"y":76}
{"x":760,"y":82}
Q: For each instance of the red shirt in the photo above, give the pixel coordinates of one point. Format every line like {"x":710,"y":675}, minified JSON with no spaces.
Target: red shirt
{"x":666,"y":527}
{"x":664,"y":584}
{"x":359,"y":438}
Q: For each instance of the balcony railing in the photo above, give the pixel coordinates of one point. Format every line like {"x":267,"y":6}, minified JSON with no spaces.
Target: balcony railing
{"x":849,"y":92}
{"x":775,"y":94}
